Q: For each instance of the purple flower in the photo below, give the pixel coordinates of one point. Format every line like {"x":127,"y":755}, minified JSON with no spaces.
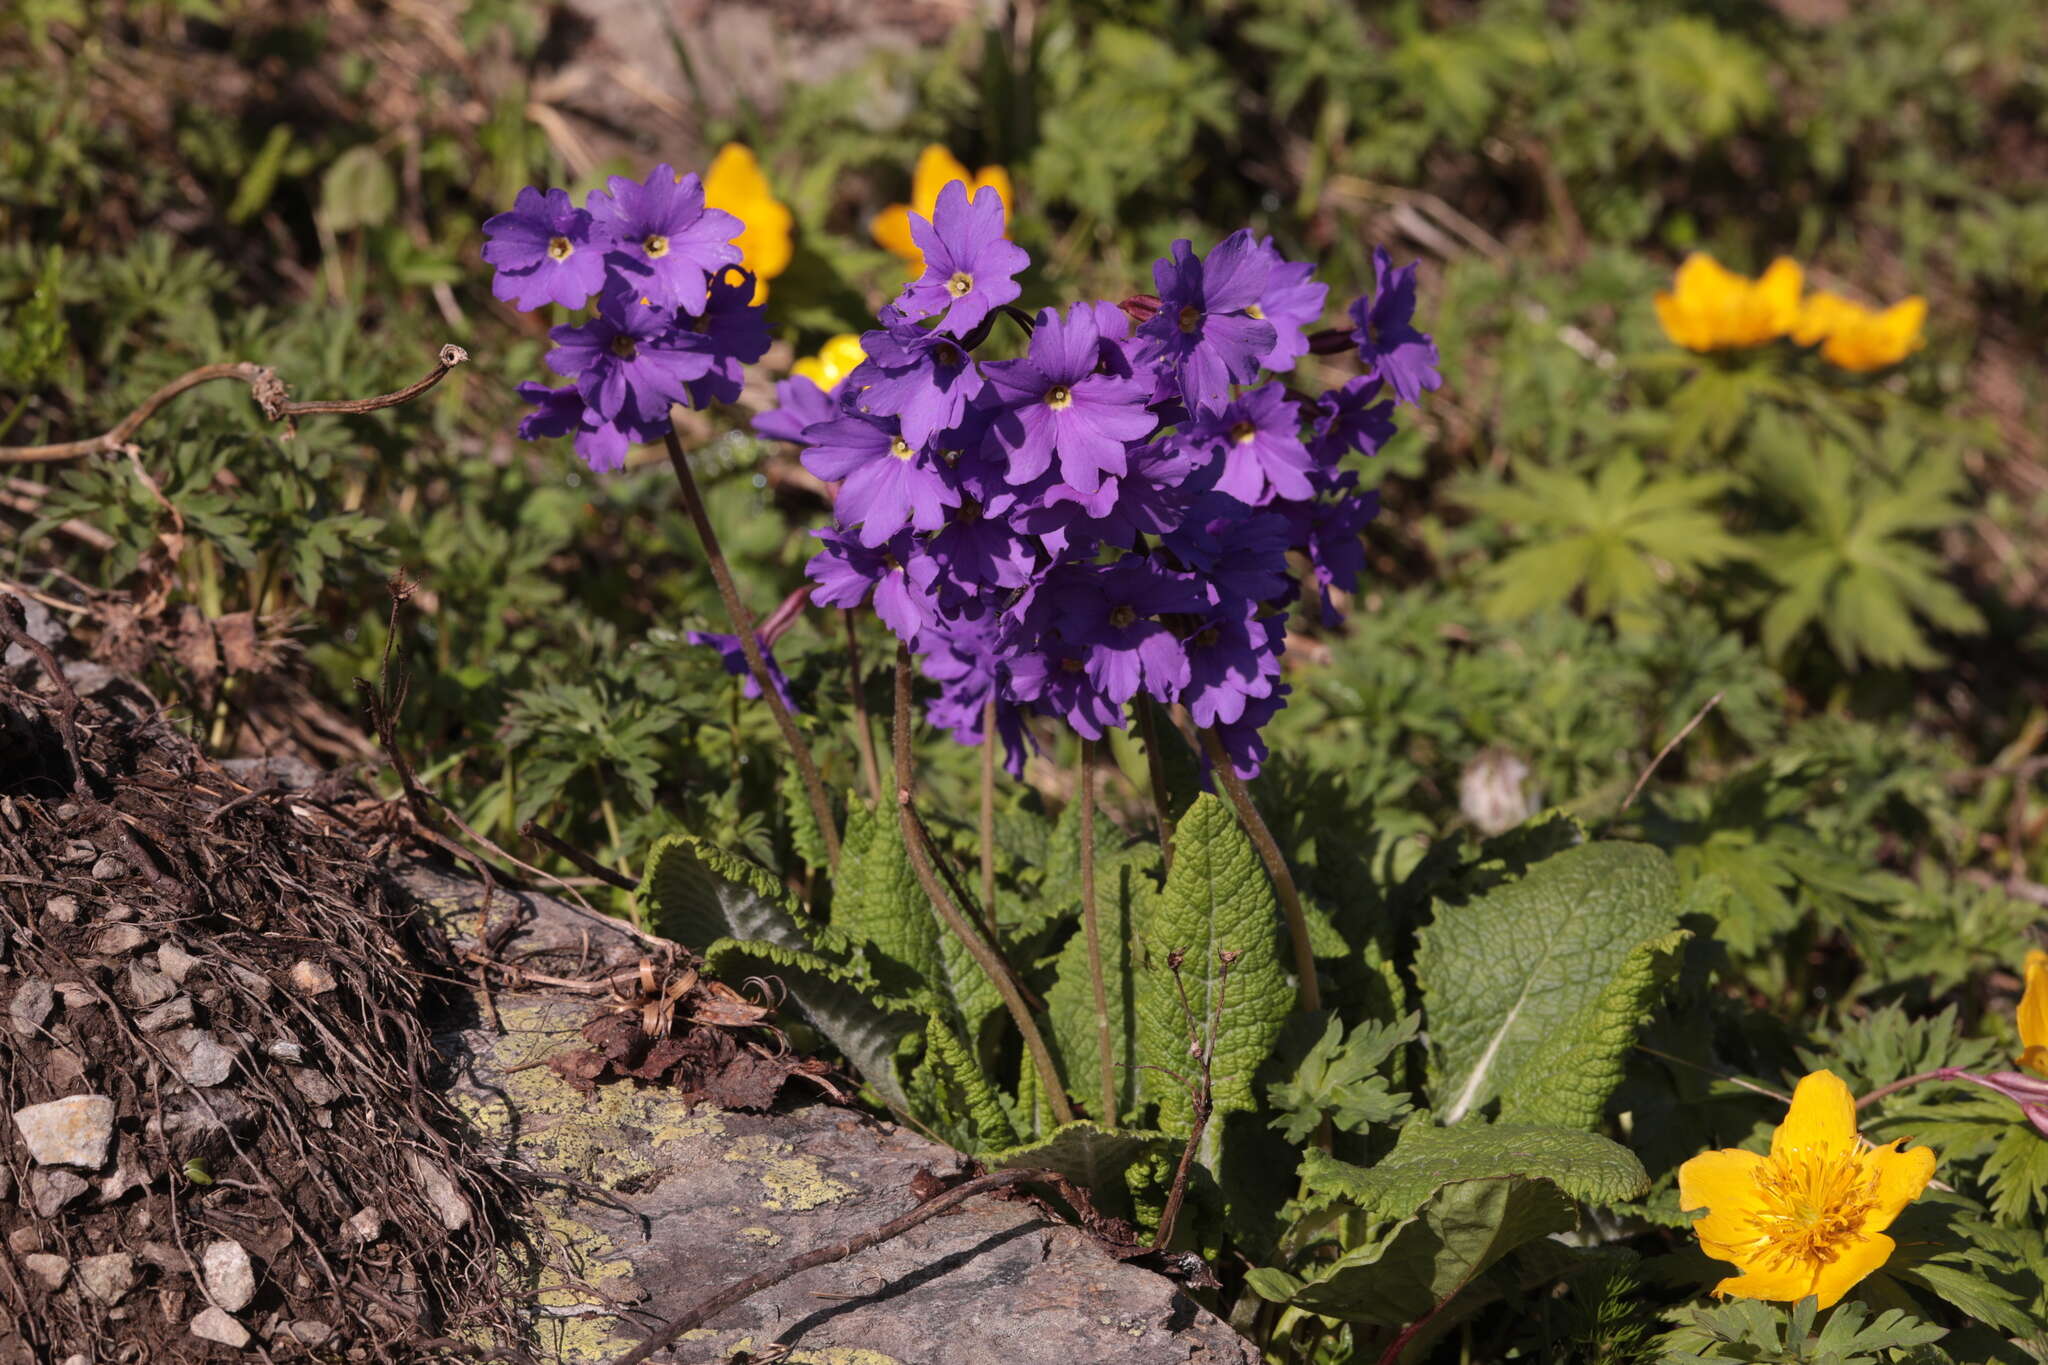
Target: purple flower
{"x":1241,"y":555}
{"x":562,"y":412}
{"x":1054,"y":402}
{"x":800,"y":403}
{"x":1386,"y":335}
{"x":1242,"y":743}
{"x":626,"y":361}
{"x":1331,"y":532}
{"x":885,"y":482}
{"x":1112,"y":611}
{"x":730,"y":333}
{"x":1204,"y":331}
{"x":969,"y":266}
{"x":961,"y":655}
{"x":1055,"y":679}
{"x":1293,"y":302}
{"x":1151,"y":498}
{"x":1348,"y":419}
{"x":899,"y":575}
{"x":1232,"y":660}
{"x":735,"y":660}
{"x":981,"y":551}
{"x":546,"y":250}
{"x":663,"y":240}
{"x":1259,"y":437}
{"x":921,"y":378}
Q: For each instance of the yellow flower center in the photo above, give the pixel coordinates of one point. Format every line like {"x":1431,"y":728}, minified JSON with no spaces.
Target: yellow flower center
{"x":560,"y":248}
{"x":960,"y":284}
{"x":623,"y":347}
{"x":1059,"y":398}
{"x":1244,"y":433}
{"x":656,"y":245}
{"x":1190,"y":318}
{"x":1813,"y":1205}
{"x":1070,"y":665}
{"x":900,"y":448}
{"x":1255,"y":312}
{"x":1122,"y":617}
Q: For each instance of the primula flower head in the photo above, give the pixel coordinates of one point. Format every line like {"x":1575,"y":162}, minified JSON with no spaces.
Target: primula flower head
{"x":970,"y":268}
{"x":1055,"y":403}
{"x":1205,"y":331}
{"x":936,"y":168}
{"x":921,"y":378}
{"x":1711,"y":308}
{"x":885,"y":483}
{"x":628,"y":360}
{"x":1809,"y":1217}
{"x":2033,"y":1016}
{"x":839,"y":357}
{"x":1384,"y":332}
{"x":1258,"y":437}
{"x":546,"y":250}
{"x":1293,"y":302}
{"x":1861,"y":339}
{"x":663,"y":240}
{"x":734,"y":182}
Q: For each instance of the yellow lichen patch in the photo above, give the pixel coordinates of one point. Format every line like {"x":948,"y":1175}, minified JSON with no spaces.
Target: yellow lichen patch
{"x":794,"y":1182}
{"x":761,"y":1237}
{"x":585,"y":1340}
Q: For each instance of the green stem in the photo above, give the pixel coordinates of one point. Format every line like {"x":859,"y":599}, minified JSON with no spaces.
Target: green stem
{"x":863,"y":733}
{"x":1091,"y":925}
{"x":988,"y":817}
{"x":985,"y":957}
{"x":743,"y":626}
{"x":1276,"y":868}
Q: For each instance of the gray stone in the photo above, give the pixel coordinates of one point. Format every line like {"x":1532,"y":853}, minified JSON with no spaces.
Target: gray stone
{"x":107,"y":1278}
{"x":310,"y":1332}
{"x":63,"y":909}
{"x":366,"y":1224}
{"x":171,"y":1014}
{"x":199,"y":1057}
{"x":51,"y":1270}
{"x":108,"y":868}
{"x":117,"y":939}
{"x":175,"y":961}
{"x":313,"y":1086}
{"x":49,"y":1191}
{"x":73,"y":1131}
{"x":24,"y":1239}
{"x":311,"y":978}
{"x":33,"y":1000}
{"x":285,"y":1049}
{"x":448,"y":1202}
{"x":230,"y":1279}
{"x":149,"y":987}
{"x":214,"y":1325}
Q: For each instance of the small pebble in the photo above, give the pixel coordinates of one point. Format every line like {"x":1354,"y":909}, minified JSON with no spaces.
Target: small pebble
{"x":62,"y":908}
{"x":67,"y":811}
{"x":24,"y":1239}
{"x":313,"y":1087}
{"x":119,"y":912}
{"x":230,"y":1279}
{"x":311,"y":978}
{"x":107,"y":1278}
{"x":109,"y":868}
{"x":285,"y":1050}
{"x":51,"y":1270}
{"x":78,"y":852}
{"x":170,"y":1014}
{"x":149,"y":987}
{"x":214,"y":1325}
{"x":199,"y":1057}
{"x":116,"y":939}
{"x":366,"y":1224}
{"x":33,"y":1000}
{"x":310,"y":1332}
{"x":175,"y":961}
{"x":50,"y":1191}
{"x":73,"y":1131}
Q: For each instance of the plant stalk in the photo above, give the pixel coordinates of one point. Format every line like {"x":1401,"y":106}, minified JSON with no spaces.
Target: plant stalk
{"x":985,"y":956}
{"x":1276,"y":867}
{"x":988,"y":817}
{"x":743,"y":626}
{"x":1155,"y":767}
{"x":1091,"y":925}
{"x":863,"y":734}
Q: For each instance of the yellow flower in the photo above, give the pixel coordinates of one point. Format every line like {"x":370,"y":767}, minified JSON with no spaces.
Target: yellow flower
{"x":834,"y":361}
{"x":936,"y":169}
{"x":1711,"y":308}
{"x":734,"y":183}
{"x":2034,"y":1016}
{"x":1810,"y":1217}
{"x":1858,"y":338}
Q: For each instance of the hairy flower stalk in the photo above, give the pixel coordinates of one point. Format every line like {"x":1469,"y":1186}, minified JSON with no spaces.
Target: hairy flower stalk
{"x":1091,"y":925}
{"x":743,"y":626}
{"x":988,"y":816}
{"x":1155,"y":770}
{"x":984,"y":955}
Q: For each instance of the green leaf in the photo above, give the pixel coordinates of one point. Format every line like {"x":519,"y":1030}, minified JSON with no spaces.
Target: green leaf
{"x":1533,"y":992}
{"x":1463,"y":1229}
{"x":1093,"y":1157}
{"x":261,"y":178}
{"x":1340,"y":1080}
{"x":1425,"y":1158}
{"x":1070,"y":1003}
{"x":1216,"y":899}
{"x":358,"y":190}
{"x":991,"y":1125}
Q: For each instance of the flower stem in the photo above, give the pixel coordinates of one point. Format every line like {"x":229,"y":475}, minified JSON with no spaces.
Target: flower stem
{"x":743,"y":626}
{"x":1945,"y":1073}
{"x":1155,"y":767}
{"x":985,"y":956}
{"x":1091,"y":925}
{"x":988,"y":816}
{"x":863,"y":734}
{"x":1276,"y":867}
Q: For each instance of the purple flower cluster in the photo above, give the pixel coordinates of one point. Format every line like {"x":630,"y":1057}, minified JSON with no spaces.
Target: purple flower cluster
{"x":673,"y":320}
{"x":1122,"y":511}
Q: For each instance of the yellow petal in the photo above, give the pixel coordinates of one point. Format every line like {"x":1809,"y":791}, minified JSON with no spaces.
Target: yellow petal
{"x":2033,"y":1012}
{"x":1682,"y":325}
{"x":1901,"y":1176}
{"x":1846,"y":1271}
{"x":1821,"y":315}
{"x":810,"y":368}
{"x":1785,"y":1284}
{"x":1778,"y":291}
{"x":2035,"y":1059}
{"x":1724,"y":1184}
{"x":1822,"y":1118}
{"x":892,"y":232}
{"x":734,"y":182}
{"x":1702,"y":277}
{"x":936,"y":169}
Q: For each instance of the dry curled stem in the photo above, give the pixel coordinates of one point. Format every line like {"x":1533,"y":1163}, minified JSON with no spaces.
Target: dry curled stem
{"x":264,"y":386}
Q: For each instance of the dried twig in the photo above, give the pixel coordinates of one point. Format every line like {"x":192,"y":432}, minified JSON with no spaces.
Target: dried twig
{"x":264,"y":386}
{"x":1201,"y":1090}
{"x":548,"y":839}
{"x":1669,"y":745}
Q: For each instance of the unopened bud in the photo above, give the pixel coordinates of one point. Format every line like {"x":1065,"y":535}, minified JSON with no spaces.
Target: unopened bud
{"x":1141,"y":308}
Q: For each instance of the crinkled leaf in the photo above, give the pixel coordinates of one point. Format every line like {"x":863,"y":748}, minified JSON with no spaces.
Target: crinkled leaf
{"x":1095,"y":1158}
{"x":1425,"y":1158}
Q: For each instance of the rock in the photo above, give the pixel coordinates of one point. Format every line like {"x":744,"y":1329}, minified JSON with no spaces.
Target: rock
{"x":51,"y":1270}
{"x":109,"y":868}
{"x":63,"y":909}
{"x":128,"y":1174}
{"x":256,"y":983}
{"x":49,"y":1191}
{"x":24,"y":1239}
{"x":175,"y":961}
{"x":230,"y":1279}
{"x":149,"y":987}
{"x":78,"y":852}
{"x":440,"y":1190}
{"x":107,"y":1278}
{"x":199,"y":1057}
{"x":73,"y":1131}
{"x":76,"y":995}
{"x":164,"y":1256}
{"x":285,"y":1049}
{"x":170,"y":1014}
{"x":117,"y":939}
{"x":313,"y":1086}
{"x":311,"y":978}
{"x":118,"y":912}
{"x":214,"y":1325}
{"x":310,"y":1332}
{"x":33,"y":1000}
{"x":366,"y":1224}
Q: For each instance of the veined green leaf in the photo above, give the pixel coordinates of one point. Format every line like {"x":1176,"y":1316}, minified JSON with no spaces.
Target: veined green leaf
{"x":1426,"y":1157}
